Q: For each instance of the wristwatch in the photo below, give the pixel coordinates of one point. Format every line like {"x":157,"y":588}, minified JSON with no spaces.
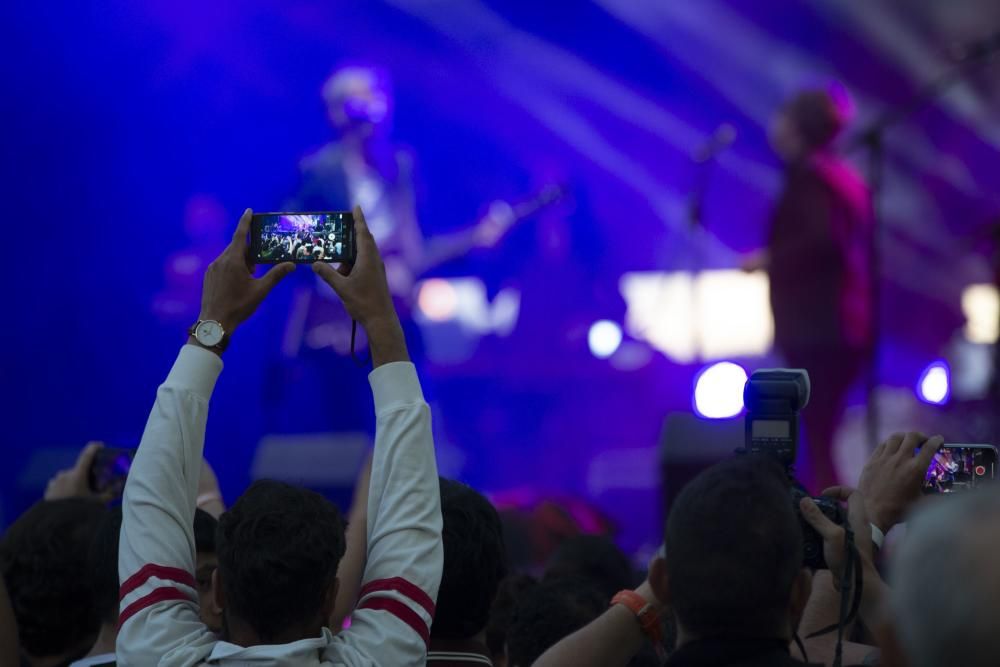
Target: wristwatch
{"x":210,"y":334}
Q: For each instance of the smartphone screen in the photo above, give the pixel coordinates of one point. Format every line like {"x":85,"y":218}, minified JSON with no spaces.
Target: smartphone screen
{"x":957,"y":468}
{"x":303,"y":238}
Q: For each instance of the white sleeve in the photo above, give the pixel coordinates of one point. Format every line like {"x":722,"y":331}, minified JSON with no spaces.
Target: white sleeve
{"x":159,"y":602}
{"x":391,"y":625}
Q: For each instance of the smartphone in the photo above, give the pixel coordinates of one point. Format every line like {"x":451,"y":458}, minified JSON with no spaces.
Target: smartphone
{"x":303,"y":238}
{"x":957,"y":468}
{"x":109,"y":470}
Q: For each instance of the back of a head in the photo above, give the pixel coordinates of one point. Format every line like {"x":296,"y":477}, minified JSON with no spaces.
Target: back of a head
{"x":548,"y":612}
{"x":278,"y":548}
{"x":205,"y":528}
{"x":945,"y":583}
{"x":816,"y":116}
{"x":596,"y":559}
{"x":734,"y":549}
{"x":104,"y":565}
{"x":475,"y":562}
{"x":44,"y":559}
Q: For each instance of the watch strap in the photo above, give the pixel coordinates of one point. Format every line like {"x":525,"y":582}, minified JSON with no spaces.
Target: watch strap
{"x":647,"y":613}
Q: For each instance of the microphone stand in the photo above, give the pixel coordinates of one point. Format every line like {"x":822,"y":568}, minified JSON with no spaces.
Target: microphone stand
{"x":872,"y":139}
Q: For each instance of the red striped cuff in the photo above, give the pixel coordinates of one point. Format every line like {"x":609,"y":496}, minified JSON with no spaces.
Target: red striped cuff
{"x":158,"y":595}
{"x":401,"y":611}
{"x":402,"y":586}
{"x":150,"y":570}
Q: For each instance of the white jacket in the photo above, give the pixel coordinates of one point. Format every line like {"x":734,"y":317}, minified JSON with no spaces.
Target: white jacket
{"x":159,"y":623}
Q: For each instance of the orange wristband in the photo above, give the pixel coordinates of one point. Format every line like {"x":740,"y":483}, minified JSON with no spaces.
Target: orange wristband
{"x":645,"y":612}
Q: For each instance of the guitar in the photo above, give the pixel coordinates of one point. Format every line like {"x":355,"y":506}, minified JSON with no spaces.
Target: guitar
{"x":318,"y":319}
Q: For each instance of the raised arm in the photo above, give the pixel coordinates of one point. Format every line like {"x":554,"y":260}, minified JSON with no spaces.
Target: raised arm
{"x":404,"y":556}
{"x":159,"y":601}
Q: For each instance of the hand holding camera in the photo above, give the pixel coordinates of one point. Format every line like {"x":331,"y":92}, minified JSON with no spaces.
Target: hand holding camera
{"x":364,"y":289}
{"x":833,"y":534}
{"x":230,"y":293}
{"x":892,"y":478}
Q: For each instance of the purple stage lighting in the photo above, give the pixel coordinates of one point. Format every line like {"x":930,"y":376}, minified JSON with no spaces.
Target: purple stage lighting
{"x":718,"y":390}
{"x":604,"y":338}
{"x":934,"y":386}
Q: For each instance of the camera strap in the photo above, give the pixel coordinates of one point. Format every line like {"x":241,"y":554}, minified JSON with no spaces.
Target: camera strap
{"x":361,"y":363}
{"x":848,"y":610}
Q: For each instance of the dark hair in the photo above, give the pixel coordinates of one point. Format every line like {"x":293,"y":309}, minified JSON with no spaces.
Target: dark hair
{"x":734,"y":548}
{"x":502,"y":612}
{"x":815,"y":114}
{"x":475,"y":562}
{"x":44,"y":561}
{"x":278,"y":548}
{"x":205,"y":527}
{"x":104,"y":565}
{"x":547,"y":613}
{"x":594,"y":558}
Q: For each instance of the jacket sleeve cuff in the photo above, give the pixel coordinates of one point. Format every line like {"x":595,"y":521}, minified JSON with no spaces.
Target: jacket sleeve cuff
{"x":195,"y":370}
{"x":394,"y":386}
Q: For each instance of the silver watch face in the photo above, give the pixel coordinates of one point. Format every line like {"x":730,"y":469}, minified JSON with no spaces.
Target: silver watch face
{"x":209,"y":333}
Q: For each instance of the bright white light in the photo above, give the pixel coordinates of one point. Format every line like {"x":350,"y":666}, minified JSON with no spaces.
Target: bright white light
{"x":981,"y":306}
{"x":716,"y":314}
{"x":437,"y":300}
{"x":604,"y":338}
{"x":935,"y":384}
{"x":718,"y":390}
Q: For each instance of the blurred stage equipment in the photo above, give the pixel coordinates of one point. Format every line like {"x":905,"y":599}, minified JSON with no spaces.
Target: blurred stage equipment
{"x":710,"y":315}
{"x":872,"y":139}
{"x":689,"y":445}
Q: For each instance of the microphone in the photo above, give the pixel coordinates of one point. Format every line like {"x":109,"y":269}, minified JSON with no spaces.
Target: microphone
{"x":721,"y":139}
{"x":976,"y":50}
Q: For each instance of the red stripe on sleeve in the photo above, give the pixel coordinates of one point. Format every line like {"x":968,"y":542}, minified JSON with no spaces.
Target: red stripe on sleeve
{"x":403,"y":613}
{"x":158,"y":595}
{"x":151,"y":570}
{"x":403,"y":586}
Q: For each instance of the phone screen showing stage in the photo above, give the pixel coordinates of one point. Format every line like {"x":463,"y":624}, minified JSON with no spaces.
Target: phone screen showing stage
{"x":957,"y":468}
{"x":303,"y":237}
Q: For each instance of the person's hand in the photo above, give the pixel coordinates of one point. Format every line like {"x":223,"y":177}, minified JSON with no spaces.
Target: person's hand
{"x":209,"y":494}
{"x":364,"y":289}
{"x":230,"y":294}
{"x":892,"y":478}
{"x":834,"y":536}
{"x":75,"y":482}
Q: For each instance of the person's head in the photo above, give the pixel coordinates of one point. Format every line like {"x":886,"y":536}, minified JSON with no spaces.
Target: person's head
{"x":206,"y":561}
{"x":734,"y":554}
{"x":358,"y":100}
{"x":502,"y":614}
{"x":44,"y":560}
{"x":945,"y":592}
{"x":278,"y":549}
{"x":595,"y":558}
{"x":808,"y":123}
{"x":475,"y":562}
{"x":548,"y":612}
{"x":104,"y":566}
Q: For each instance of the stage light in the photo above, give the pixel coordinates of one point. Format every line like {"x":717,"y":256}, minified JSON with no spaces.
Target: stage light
{"x":604,"y":338}
{"x":934,"y":386}
{"x":981,"y":307}
{"x":718,"y":390}
{"x":437,"y":300}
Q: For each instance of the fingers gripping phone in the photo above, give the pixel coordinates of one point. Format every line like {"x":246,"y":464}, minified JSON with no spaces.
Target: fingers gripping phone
{"x":109,"y":470}
{"x":956,"y":468}
{"x":303,"y":238}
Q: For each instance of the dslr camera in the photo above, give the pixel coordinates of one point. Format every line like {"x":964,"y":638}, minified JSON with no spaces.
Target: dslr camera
{"x":773,"y":399}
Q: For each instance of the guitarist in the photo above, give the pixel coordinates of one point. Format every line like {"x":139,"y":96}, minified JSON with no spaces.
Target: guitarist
{"x":362,"y":166}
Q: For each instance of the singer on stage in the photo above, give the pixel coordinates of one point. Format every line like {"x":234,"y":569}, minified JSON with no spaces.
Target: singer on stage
{"x":818,"y":258}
